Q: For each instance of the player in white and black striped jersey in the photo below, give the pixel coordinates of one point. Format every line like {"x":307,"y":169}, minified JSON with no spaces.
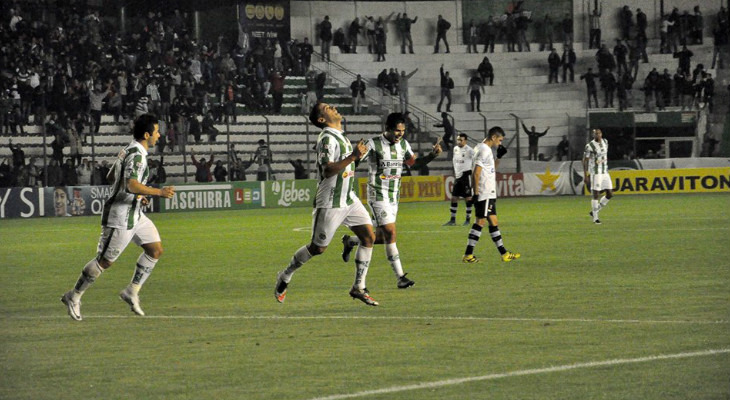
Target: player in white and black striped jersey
{"x":463,"y":156}
{"x":484,"y":175}
{"x":595,"y":173}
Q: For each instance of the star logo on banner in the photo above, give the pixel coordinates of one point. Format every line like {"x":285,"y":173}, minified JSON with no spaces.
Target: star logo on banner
{"x":548,"y":180}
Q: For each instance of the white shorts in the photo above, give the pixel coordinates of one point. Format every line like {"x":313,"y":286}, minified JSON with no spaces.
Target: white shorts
{"x":113,"y":241}
{"x":325,"y":221}
{"x":384,"y":212}
{"x":600,"y":182}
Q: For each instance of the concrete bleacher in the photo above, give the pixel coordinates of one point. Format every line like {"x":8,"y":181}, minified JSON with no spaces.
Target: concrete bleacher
{"x":520,"y":88}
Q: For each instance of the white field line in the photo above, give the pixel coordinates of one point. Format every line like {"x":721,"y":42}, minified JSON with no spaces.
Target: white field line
{"x":524,"y":372}
{"x":588,"y":227}
{"x":383,"y":318}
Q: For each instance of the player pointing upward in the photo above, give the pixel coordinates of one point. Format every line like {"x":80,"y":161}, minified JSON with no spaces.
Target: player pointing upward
{"x":386,"y":154}
{"x":123,"y":220}
{"x":484,"y":176}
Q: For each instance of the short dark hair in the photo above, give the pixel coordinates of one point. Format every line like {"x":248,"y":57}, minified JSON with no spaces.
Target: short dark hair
{"x":145,"y":123}
{"x":463,"y":135}
{"x":314,"y":116}
{"x":393,"y":120}
{"x":494,"y":131}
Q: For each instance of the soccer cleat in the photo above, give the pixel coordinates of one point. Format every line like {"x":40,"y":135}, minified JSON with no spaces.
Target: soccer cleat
{"x":346,"y":248}
{"x":362,"y":295}
{"x":74,"y":308}
{"x":466,"y":223}
{"x":405,"y":283}
{"x":450,"y":223}
{"x":509,"y":256}
{"x":597,"y":222}
{"x":470,"y":259}
{"x":132,"y":300}
{"x":280,"y":289}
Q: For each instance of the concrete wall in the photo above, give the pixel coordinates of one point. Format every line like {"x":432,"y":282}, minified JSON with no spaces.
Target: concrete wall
{"x":305,"y":14}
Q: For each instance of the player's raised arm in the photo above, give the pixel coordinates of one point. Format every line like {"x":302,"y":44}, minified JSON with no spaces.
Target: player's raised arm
{"x":334,"y":168}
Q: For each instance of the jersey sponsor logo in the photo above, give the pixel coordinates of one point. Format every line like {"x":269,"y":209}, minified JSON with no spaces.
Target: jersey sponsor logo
{"x":348,"y":174}
{"x":391,"y":164}
{"x":389,"y":177}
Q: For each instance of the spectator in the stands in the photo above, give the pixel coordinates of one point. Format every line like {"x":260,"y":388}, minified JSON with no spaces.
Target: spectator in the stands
{"x":442,"y":26}
{"x":339,"y":40}
{"x":202,"y":168}
{"x":684,"y":58}
{"x":591,"y":90}
{"x":486,"y":71}
{"x":357,"y":89}
{"x":352,"y":33}
{"x":553,"y":66}
{"x":404,"y":27}
{"x":403,"y":80}
{"x":300,"y":172}
{"x":219,"y":172}
{"x":325,"y":38}
{"x":568,"y":61}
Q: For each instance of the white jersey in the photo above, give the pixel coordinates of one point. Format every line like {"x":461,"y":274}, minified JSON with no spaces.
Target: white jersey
{"x":597,"y":154}
{"x":463,"y":157}
{"x":385,"y":168}
{"x":484,"y":158}
{"x":337,"y":190}
{"x":123,"y":209}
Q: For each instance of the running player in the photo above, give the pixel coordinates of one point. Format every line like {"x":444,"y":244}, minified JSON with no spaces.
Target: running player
{"x":463,"y":157}
{"x":335,"y":203}
{"x":595,"y":172}
{"x":123,"y":221}
{"x":386,"y":154}
{"x":484,"y":177}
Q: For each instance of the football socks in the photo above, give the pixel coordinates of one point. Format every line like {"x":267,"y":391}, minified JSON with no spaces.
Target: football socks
{"x":145,"y":265}
{"x":497,"y":238}
{"x":474,"y":234}
{"x":362,"y":263}
{"x":89,"y":273}
{"x":300,"y":257}
{"x":391,"y":251}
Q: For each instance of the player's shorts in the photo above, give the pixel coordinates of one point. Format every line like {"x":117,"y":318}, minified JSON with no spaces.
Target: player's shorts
{"x":384,"y":212}
{"x":485,"y":207}
{"x":601,"y":182}
{"x":462,"y":186}
{"x":113,"y":241}
{"x":325,"y":221}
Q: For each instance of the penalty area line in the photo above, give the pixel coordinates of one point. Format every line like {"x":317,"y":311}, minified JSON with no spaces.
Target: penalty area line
{"x":558,"y":368}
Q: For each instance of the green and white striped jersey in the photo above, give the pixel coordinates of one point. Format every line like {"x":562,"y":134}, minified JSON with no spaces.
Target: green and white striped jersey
{"x":123,"y":209}
{"x":385,"y":168}
{"x":597,"y":154}
{"x":337,"y":190}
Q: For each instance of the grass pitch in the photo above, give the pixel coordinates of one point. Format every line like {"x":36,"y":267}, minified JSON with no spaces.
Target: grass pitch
{"x":638,"y":308}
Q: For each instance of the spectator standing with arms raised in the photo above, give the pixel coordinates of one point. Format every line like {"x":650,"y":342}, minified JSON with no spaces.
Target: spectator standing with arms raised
{"x":533,"y":140}
{"x":403,"y":79}
{"x":404,"y":27}
{"x":446,"y":85}
{"x":202,"y":168}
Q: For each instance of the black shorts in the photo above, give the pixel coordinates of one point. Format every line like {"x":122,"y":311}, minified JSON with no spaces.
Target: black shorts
{"x":484,"y":208}
{"x":462,"y":186}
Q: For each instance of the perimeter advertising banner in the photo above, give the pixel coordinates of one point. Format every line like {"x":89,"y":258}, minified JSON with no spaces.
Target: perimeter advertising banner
{"x":290,"y":193}
{"x":263,"y":20}
{"x":413,"y":188}
{"x":214,"y":196}
{"x":653,"y":181}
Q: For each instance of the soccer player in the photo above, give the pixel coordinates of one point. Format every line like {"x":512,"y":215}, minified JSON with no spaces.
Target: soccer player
{"x":386,"y":154}
{"x":463,"y":156}
{"x":335,"y":203}
{"x":595,"y":172}
{"x":484,"y":178}
{"x":123,"y":221}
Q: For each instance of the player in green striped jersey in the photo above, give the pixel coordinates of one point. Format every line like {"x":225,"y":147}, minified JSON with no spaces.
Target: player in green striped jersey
{"x":386,"y":154}
{"x":123,"y":220}
{"x":595,"y":173}
{"x":335,"y":203}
